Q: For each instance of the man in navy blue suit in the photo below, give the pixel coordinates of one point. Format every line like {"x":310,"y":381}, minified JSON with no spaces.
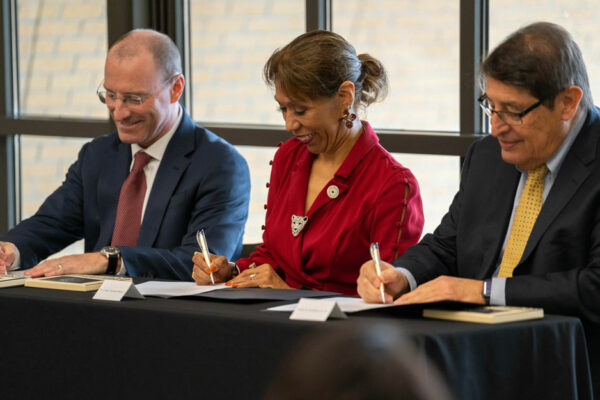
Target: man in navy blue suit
{"x":193,"y":180}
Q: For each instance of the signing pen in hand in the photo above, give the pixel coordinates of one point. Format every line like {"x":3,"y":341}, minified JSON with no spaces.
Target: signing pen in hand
{"x":3,"y":263}
{"x":201,"y":239}
{"x":377,"y":260}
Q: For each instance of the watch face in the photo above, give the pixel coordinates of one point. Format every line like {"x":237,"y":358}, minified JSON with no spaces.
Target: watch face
{"x":110,"y":251}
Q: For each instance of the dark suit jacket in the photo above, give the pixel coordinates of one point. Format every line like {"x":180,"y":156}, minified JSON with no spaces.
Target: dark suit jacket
{"x":560,"y":267}
{"x":202,"y":183}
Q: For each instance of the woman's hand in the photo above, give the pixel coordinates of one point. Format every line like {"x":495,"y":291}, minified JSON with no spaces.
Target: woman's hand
{"x":219,"y":266}
{"x":263,"y":276}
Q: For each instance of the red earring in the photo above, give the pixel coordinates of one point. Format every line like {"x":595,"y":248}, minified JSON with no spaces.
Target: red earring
{"x":348,"y":118}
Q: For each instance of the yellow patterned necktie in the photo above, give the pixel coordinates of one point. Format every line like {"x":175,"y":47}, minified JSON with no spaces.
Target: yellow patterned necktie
{"x":530,"y":204}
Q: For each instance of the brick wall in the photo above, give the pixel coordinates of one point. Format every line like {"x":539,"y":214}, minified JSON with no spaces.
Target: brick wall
{"x":62,"y":45}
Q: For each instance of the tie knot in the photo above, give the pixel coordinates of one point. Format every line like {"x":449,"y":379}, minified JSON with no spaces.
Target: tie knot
{"x":141,"y":159}
{"x":539,"y":173}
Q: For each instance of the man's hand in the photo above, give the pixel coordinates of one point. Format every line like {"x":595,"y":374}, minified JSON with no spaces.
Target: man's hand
{"x":87,"y":263}
{"x":8,"y":253}
{"x":445,"y":288}
{"x":368,"y":282}
{"x":219,"y":266}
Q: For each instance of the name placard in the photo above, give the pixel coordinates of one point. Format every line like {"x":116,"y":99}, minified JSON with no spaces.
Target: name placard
{"x":115,"y":290}
{"x":316,"y":310}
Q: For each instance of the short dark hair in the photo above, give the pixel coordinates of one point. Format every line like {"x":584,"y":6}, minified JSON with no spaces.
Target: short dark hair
{"x":360,"y":361}
{"x":165,"y":52}
{"x":542,"y":58}
{"x":316,"y":63}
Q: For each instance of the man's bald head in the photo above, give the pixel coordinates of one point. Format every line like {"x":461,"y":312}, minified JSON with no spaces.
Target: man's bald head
{"x":165,"y":53}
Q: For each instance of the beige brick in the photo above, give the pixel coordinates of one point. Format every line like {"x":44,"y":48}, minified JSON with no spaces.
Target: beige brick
{"x":25,"y":31}
{"x":274,"y":25}
{"x":50,"y":10}
{"x":95,"y":27}
{"x":28,"y":154}
{"x":60,"y":151}
{"x":26,"y":192}
{"x":225,"y":109}
{"x":242,"y":40}
{"x":46,"y":64}
{"x":45,"y":188}
{"x":88,"y":9}
{"x":241,"y":76}
{"x":27,"y":11}
{"x":43,"y":103}
{"x":60,"y":28}
{"x":92,"y":64}
{"x":63,"y":82}
{"x":247,"y":8}
{"x":219,"y":25}
{"x":257,"y":58}
{"x":39,"y":171}
{"x":28,"y":208}
{"x":207,"y":8}
{"x":36,"y":82}
{"x":78,"y":45}
{"x":88,"y":110}
{"x":292,"y":8}
{"x":44,"y":46}
{"x":202,"y":75}
{"x":201,"y":42}
{"x":218,"y":59}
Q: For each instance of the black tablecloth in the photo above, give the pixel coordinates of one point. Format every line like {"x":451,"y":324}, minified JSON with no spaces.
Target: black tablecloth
{"x":61,"y":344}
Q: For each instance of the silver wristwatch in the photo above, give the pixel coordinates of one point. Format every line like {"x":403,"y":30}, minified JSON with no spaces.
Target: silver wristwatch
{"x":113,"y":254}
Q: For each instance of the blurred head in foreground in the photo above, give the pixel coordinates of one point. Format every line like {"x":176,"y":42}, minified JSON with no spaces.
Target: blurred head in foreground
{"x":357,"y":362}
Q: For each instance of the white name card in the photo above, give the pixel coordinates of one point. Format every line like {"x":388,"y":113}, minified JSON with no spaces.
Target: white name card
{"x":316,"y":310}
{"x":115,"y":290}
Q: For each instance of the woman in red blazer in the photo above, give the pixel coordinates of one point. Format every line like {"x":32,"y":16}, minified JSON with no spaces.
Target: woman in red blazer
{"x":333,"y":188}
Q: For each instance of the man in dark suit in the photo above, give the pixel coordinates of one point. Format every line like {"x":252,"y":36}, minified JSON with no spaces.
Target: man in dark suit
{"x":143,"y":222}
{"x":537,"y":96}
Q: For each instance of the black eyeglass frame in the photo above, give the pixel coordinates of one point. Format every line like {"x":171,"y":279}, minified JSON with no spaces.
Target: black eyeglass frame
{"x":489,"y":111}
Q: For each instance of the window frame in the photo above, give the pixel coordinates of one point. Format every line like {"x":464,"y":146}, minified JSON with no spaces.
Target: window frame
{"x":172,"y":18}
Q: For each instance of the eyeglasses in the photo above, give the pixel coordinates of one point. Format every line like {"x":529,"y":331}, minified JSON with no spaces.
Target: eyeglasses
{"x":508,"y":117}
{"x":107,"y":96}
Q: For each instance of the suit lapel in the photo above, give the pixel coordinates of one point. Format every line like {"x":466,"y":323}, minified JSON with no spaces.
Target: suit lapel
{"x":110,"y":180}
{"x":172,"y":166}
{"x":506,"y":179}
{"x":573,"y":172}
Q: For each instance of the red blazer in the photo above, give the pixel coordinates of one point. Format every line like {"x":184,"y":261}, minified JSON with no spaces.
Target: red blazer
{"x":376,"y":200}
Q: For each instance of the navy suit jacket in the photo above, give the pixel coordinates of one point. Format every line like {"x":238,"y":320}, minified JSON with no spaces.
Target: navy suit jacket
{"x":202,"y":183}
{"x":560,"y":267}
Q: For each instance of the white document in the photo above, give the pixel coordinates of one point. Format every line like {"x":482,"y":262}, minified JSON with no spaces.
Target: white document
{"x":316,"y":310}
{"x":168,"y":289}
{"x":346,"y":304}
{"x":115,"y":290}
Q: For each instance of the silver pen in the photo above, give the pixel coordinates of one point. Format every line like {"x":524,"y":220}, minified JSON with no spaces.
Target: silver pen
{"x":377,"y":260}
{"x":201,"y":239}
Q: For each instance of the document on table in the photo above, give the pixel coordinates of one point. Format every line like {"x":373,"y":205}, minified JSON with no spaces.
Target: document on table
{"x":346,"y":304}
{"x":168,"y":289}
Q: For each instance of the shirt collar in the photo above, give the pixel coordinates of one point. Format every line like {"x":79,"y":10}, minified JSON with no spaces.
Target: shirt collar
{"x":157,"y":149}
{"x":363,"y":145}
{"x":556,"y":160}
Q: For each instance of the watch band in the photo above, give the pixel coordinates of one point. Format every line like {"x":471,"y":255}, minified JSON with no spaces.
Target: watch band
{"x":113,"y":255}
{"x":487,"y":290}
{"x":235,"y":270}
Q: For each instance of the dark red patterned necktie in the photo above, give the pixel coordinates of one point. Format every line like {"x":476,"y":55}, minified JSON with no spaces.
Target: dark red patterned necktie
{"x":131,"y":202}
